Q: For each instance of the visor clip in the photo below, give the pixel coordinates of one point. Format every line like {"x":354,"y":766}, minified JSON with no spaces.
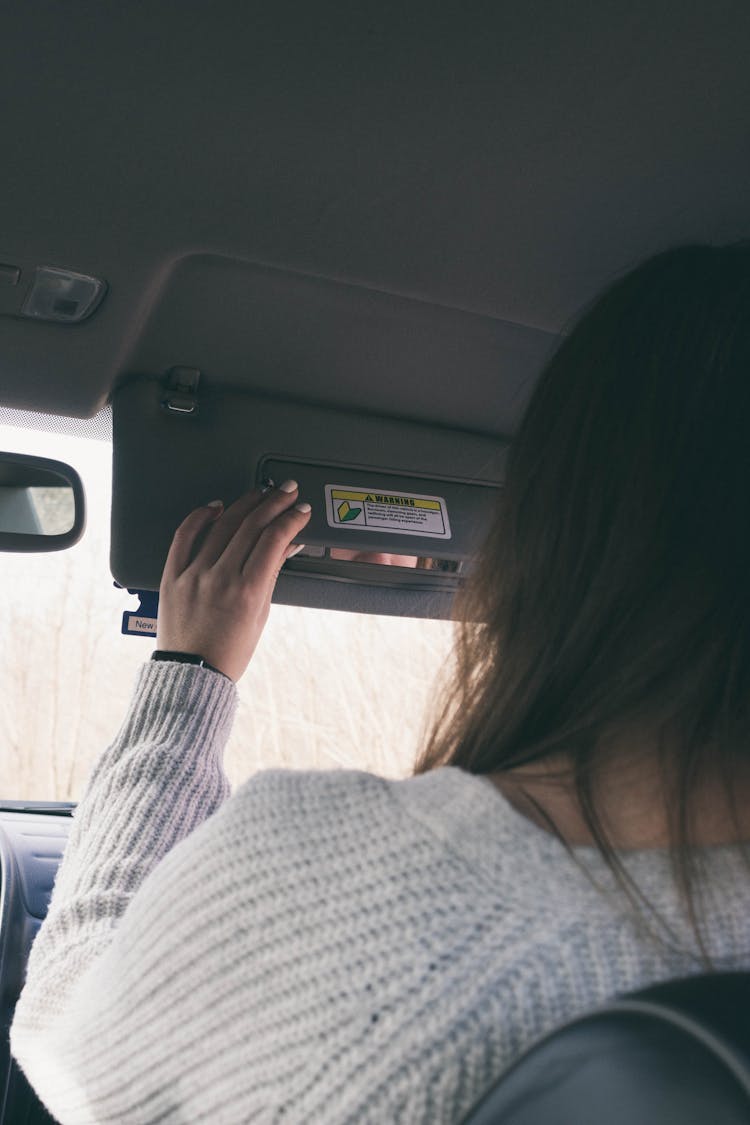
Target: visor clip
{"x":182,"y":390}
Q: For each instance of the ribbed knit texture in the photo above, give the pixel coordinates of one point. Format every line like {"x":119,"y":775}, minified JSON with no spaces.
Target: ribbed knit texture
{"x":319,"y":947}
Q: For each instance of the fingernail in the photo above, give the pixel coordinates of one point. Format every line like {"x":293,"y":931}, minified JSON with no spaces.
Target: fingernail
{"x":288,"y":486}
{"x":296,"y":550}
{"x":215,"y":504}
{"x":303,"y":507}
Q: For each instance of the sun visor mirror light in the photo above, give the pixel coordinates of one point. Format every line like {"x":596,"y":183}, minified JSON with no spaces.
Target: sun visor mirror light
{"x":62,"y":296}
{"x":380,"y":558}
{"x":411,"y":562}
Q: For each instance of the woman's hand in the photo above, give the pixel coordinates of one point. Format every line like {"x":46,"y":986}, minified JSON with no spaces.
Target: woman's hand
{"x":220,"y":573}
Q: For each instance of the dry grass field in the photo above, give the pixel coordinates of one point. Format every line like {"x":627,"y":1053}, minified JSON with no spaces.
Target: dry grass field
{"x":324,"y":690}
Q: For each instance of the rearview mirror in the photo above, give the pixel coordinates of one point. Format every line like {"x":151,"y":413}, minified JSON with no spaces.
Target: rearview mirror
{"x":42,"y":505}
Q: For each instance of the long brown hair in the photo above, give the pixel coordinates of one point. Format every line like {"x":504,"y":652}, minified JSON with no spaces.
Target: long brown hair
{"x":613,"y":591}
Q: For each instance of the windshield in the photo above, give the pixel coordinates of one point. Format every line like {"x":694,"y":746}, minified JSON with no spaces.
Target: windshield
{"x":324,"y":688}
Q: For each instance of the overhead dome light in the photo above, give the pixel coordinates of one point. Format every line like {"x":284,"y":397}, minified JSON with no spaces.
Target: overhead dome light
{"x":62,"y":296}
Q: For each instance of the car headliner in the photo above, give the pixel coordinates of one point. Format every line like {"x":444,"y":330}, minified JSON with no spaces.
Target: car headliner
{"x":393,"y":208}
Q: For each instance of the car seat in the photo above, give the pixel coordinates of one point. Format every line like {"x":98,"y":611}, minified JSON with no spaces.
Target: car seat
{"x":677,"y":1053}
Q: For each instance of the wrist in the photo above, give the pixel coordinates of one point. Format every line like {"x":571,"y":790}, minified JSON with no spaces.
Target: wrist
{"x":186,"y":658}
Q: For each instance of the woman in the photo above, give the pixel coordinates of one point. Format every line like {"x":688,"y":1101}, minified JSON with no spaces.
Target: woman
{"x":334,"y":947}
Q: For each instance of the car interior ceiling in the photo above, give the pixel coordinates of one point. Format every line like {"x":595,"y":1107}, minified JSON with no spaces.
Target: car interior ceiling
{"x":349,"y":237}
{"x":392,"y":214}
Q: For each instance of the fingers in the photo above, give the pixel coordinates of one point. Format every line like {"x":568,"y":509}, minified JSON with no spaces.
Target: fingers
{"x":273,"y":545}
{"x":247,"y":534}
{"x":223,"y":532}
{"x":204,"y":540}
{"x":187,"y":535}
{"x":220,"y":610}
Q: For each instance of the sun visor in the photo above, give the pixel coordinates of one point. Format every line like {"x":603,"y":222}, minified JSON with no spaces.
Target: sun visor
{"x":399,"y":509}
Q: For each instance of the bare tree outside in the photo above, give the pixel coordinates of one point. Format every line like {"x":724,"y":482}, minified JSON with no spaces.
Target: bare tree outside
{"x":55,"y":508}
{"x":324,"y":689}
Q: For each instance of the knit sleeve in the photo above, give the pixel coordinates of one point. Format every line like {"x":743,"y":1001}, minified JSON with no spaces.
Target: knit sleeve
{"x":254,"y":972}
{"x":160,"y":778}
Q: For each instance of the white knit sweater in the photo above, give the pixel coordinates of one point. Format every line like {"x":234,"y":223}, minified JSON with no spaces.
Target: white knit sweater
{"x":319,"y":947}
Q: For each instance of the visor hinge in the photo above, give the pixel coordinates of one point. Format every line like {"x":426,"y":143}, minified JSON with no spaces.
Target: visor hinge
{"x":182,"y":390}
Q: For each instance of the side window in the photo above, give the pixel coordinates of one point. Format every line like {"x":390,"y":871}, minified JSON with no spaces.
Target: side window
{"x":325,"y":689}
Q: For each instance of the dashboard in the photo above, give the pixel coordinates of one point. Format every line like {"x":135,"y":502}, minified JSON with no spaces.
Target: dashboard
{"x":31,"y":847}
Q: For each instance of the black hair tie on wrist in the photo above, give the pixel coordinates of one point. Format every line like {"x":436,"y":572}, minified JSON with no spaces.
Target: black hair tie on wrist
{"x":185,"y":658}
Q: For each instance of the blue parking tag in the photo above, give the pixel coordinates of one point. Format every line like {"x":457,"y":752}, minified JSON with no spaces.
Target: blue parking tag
{"x":142,"y":621}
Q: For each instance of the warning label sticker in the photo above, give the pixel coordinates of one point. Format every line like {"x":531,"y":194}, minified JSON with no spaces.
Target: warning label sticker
{"x":399,"y":513}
